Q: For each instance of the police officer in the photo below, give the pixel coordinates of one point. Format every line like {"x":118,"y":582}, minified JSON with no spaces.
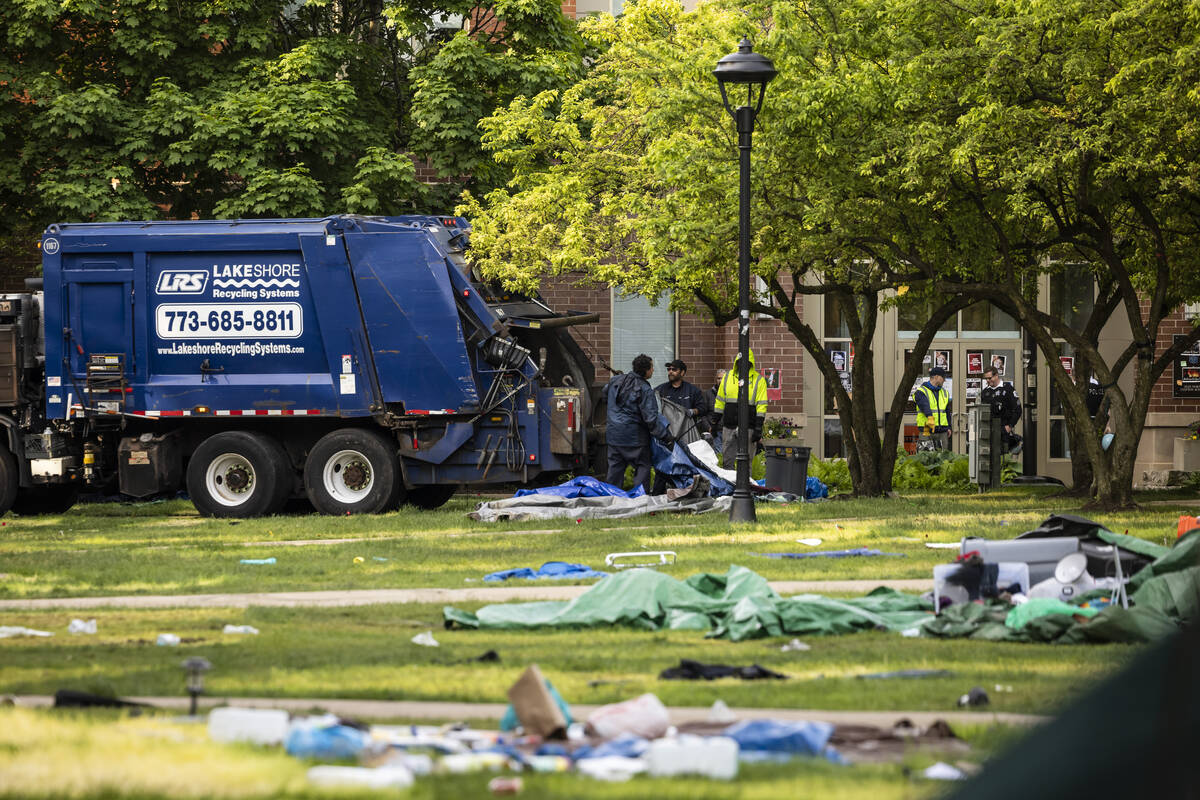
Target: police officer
{"x":933,"y":403}
{"x":1006,"y":407}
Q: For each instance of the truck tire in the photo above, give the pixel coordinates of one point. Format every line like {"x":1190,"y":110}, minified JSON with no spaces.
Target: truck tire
{"x":430,"y":497}
{"x":38,"y":500}
{"x":10,"y":479}
{"x":239,"y":474}
{"x":352,"y":471}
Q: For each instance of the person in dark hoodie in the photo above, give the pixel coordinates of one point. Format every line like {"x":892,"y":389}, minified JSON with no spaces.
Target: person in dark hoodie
{"x":633,"y":418}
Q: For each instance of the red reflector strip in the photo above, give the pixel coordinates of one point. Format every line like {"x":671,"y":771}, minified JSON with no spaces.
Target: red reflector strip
{"x":425,"y":412}
{"x":234,"y":412}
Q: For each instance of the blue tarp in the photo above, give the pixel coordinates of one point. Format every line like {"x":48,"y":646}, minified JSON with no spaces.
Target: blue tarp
{"x":557,"y":570}
{"x":768,"y":739}
{"x":814,"y":489}
{"x":857,"y":551}
{"x":679,"y":468}
{"x":584,"y":487}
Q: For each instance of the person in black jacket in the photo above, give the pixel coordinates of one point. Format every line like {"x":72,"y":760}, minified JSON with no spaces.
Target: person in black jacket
{"x":1006,"y":407}
{"x":684,"y":394}
{"x":633,"y":417}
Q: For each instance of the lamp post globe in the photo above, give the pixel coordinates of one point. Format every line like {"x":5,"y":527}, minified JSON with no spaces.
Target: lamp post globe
{"x":754,"y":71}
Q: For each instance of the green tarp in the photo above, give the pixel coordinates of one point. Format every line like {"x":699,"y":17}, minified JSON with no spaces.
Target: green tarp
{"x":737,"y":605}
{"x":741,"y":605}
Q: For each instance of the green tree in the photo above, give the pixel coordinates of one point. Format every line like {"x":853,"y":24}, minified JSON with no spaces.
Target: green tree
{"x":149,"y":108}
{"x":629,"y":178}
{"x":1062,"y":136}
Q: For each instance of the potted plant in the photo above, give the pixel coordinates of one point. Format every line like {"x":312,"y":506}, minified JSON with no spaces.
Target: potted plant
{"x":780,"y":430}
{"x":1187,"y":449}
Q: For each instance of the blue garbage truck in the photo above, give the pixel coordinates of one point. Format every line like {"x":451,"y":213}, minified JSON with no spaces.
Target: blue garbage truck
{"x":356,"y":361}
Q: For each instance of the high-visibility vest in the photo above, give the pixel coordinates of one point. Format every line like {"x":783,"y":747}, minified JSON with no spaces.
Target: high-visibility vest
{"x":727,"y":392}
{"x":939,"y":401}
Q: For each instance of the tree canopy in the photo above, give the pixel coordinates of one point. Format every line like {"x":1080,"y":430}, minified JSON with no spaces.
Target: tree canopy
{"x":959,"y":151}
{"x":223,"y":108}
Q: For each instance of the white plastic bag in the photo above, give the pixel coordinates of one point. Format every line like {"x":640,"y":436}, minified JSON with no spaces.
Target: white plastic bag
{"x":643,"y":716}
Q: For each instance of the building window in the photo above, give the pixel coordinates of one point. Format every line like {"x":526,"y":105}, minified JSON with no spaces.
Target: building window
{"x":912,"y":314}
{"x":638,"y":327}
{"x":985,"y":320}
{"x":1072,"y":295}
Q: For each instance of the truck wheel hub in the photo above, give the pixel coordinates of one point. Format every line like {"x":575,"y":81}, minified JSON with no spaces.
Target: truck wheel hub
{"x":356,"y":475}
{"x":238,"y":479}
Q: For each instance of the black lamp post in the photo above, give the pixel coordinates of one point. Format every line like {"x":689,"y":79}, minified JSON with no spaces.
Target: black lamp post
{"x":745,"y":67}
{"x":195,"y":667}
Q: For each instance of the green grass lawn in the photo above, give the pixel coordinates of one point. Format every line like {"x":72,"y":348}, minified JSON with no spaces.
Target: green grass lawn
{"x":365,"y":652}
{"x":166,"y":548}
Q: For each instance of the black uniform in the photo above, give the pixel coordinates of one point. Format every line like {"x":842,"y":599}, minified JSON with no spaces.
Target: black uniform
{"x":690,"y":397}
{"x":1006,"y":407}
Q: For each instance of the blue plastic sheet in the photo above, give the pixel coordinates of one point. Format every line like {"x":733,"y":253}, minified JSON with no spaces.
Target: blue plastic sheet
{"x":814,"y":489}
{"x":771,"y":740}
{"x":325,"y":742}
{"x":856,"y":551}
{"x":679,"y":468}
{"x":583,"y":487}
{"x":554,"y":570}
{"x":626,"y":746}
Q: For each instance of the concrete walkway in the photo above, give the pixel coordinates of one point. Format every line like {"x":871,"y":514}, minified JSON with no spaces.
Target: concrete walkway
{"x":366,"y":597}
{"x":491,"y":712}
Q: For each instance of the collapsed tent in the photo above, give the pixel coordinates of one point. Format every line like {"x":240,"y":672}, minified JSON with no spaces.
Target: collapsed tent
{"x":741,"y":605}
{"x":737,"y":605}
{"x":552,"y":505}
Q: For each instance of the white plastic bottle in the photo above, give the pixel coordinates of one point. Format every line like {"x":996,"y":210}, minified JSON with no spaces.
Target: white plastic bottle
{"x":710,"y":756}
{"x":254,"y":725}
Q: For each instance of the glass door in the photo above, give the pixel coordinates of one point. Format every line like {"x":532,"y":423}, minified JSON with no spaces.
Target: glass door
{"x":964,"y":362}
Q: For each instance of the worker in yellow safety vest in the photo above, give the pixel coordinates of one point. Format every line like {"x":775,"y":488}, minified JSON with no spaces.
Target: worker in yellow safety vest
{"x":933,"y":402}
{"x":724,"y":412}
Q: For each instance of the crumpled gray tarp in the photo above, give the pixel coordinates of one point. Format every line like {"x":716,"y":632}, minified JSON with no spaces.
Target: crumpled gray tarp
{"x":541,"y":506}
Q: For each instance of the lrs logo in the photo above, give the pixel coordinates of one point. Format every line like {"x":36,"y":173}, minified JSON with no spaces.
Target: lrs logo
{"x":182,"y":282}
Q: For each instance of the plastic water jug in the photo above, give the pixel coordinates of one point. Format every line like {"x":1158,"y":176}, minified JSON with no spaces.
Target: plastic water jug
{"x":712,"y":757}
{"x":254,"y":725}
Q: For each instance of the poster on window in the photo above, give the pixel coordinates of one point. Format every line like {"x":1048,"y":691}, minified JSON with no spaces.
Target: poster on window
{"x":974,"y":363}
{"x":838,"y":357}
{"x":1068,"y":364}
{"x":1186,"y":369}
{"x":972,"y":387}
{"x":1000,"y":364}
{"x":941,"y":358}
{"x":774,"y":387}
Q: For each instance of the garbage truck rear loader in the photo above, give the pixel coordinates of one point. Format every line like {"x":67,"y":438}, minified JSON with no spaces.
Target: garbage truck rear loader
{"x":354,"y":360}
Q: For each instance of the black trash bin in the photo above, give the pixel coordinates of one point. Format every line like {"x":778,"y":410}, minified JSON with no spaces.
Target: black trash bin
{"x":787,"y":467}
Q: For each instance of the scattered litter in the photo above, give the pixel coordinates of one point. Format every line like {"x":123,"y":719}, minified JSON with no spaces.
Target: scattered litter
{"x":772,"y":740}
{"x":461,"y":763}
{"x":611,"y":768}
{"x":250,"y":629}
{"x":1002,"y":687}
{"x":505,"y":786}
{"x":167,"y":640}
{"x":425,"y":639}
{"x":394,"y":777}
{"x":943,"y":545}
{"x":941,"y":771}
{"x":488,"y":657}
{"x":976,"y":697}
{"x":809,"y":542}
{"x":10,"y":631}
{"x":856,"y":551}
{"x":253,"y":725}
{"x":553,"y":570}
{"x":907,"y":673}
{"x":643,"y":716}
{"x":378,"y":558}
{"x":709,"y":756}
{"x":82,"y":626}
{"x":71,"y":698}
{"x":619,"y":560}
{"x":796,"y":646}
{"x":536,"y":707}
{"x":910,"y":633}
{"x":270,"y":560}
{"x":357,"y":560}
{"x":324,"y":737}
{"x":720,"y":713}
{"x":689,"y":670}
